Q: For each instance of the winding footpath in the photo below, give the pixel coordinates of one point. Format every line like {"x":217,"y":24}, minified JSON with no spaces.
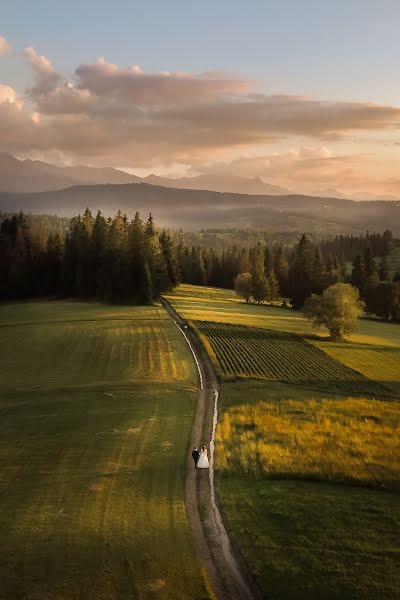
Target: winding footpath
{"x":225,"y":567}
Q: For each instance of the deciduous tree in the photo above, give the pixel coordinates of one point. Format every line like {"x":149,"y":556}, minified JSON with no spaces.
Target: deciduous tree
{"x":337,"y":309}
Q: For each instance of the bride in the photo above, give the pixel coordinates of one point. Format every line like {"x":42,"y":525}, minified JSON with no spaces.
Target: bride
{"x":203,"y":460}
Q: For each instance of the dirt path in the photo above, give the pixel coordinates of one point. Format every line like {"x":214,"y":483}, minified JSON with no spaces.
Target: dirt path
{"x":227,"y":572}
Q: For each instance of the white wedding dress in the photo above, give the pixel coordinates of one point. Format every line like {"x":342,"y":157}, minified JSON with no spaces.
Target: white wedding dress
{"x":203,"y":460}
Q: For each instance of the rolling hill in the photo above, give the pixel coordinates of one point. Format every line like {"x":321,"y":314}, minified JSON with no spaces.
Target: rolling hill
{"x":196,"y":209}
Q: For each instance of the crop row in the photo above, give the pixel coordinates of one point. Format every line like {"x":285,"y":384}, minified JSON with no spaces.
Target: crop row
{"x":248,"y":351}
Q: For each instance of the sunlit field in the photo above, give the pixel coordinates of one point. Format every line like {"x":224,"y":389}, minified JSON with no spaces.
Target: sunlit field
{"x":284,"y":432}
{"x":96,"y":408}
{"x":308,"y":449}
{"x":240,"y":351}
{"x":374,"y":350}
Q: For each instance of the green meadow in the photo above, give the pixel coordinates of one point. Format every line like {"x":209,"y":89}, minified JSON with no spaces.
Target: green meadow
{"x":96,"y":408}
{"x":373,"y":351}
{"x":308,"y":449}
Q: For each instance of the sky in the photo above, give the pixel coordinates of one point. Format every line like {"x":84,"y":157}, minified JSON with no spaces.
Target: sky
{"x":303,"y":94}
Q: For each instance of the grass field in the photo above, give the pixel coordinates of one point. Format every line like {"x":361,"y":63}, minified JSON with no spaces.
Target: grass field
{"x":241,"y":351}
{"x":96,"y":408}
{"x":282,"y":431}
{"x":314,"y":540}
{"x":373,"y":351}
{"x":286,"y":447}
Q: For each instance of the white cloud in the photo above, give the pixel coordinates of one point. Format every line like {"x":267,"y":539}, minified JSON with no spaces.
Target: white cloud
{"x":46,"y":77}
{"x":40,"y":64}
{"x":155,"y":89}
{"x":9,"y":95}
{"x":4,"y":46}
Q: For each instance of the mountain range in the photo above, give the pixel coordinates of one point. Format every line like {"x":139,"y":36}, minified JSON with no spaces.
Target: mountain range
{"x":206,"y":201}
{"x":38,"y":176}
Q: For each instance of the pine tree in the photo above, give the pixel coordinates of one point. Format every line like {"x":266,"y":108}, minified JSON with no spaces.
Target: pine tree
{"x":169,"y":253}
{"x":99,"y":238}
{"x":197,"y":269}
{"x":281,"y":268}
{"x":357,"y":277}
{"x":384,"y":269}
{"x":268,"y":266}
{"x":146,"y":295}
{"x":318,"y":273}
{"x":371,"y":276}
{"x":52,"y":264}
{"x":260,"y":283}
{"x":300,"y":272}
{"x":273,"y":287}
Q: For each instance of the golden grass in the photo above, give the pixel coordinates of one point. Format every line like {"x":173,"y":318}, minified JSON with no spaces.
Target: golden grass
{"x":354,"y":440}
{"x":378,"y":362}
{"x":89,"y":344}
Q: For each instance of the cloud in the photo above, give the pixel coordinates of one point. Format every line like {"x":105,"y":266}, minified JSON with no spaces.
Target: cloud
{"x":46,"y":77}
{"x":154,"y":89}
{"x":105,"y":114}
{"x":5,"y":47}
{"x":307,"y":169}
{"x":314,"y":170}
{"x":8,"y":94}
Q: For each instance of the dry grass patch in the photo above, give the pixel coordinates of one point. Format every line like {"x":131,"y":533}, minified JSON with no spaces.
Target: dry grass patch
{"x":355,"y":440}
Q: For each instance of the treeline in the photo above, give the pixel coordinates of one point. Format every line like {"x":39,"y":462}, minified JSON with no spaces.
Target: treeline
{"x":267,"y":273}
{"x":296,"y":272}
{"x":114,"y":260}
{"x":41,"y":226}
{"x":118,"y":260}
{"x":349,"y":246}
{"x":380,"y":293}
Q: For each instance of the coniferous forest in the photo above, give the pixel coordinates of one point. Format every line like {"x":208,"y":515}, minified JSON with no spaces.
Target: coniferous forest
{"x":122,"y":261}
{"x":113,"y":260}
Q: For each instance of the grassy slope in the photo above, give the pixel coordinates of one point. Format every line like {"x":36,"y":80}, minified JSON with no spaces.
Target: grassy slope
{"x":96,"y":407}
{"x":307,"y":539}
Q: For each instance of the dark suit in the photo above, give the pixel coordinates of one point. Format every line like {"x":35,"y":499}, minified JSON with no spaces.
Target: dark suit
{"x":195,"y":456}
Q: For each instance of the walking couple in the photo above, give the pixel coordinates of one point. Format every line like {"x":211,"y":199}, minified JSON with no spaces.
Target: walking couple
{"x":200,"y":458}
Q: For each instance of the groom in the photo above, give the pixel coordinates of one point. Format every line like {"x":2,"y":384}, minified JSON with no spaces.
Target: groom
{"x":195,"y":456}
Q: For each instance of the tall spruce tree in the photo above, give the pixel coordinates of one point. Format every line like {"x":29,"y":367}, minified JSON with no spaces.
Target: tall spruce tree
{"x":169,"y":253}
{"x":281,"y":269}
{"x":384,"y":269}
{"x":357,"y":277}
{"x":260,"y":283}
{"x":273,"y":287}
{"x":301,"y":272}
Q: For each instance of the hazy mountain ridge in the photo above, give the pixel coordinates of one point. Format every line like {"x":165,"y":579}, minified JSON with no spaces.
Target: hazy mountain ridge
{"x":38,"y":176}
{"x":196,"y":209}
{"x":219,"y":183}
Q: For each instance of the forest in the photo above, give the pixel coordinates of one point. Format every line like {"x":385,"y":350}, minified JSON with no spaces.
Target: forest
{"x":133,"y":262}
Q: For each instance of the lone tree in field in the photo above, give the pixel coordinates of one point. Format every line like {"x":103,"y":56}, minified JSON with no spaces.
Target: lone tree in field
{"x":337,"y":309}
{"x":244,"y":285}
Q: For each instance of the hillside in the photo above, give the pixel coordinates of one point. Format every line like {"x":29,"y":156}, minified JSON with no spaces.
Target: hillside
{"x":196,"y":209}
